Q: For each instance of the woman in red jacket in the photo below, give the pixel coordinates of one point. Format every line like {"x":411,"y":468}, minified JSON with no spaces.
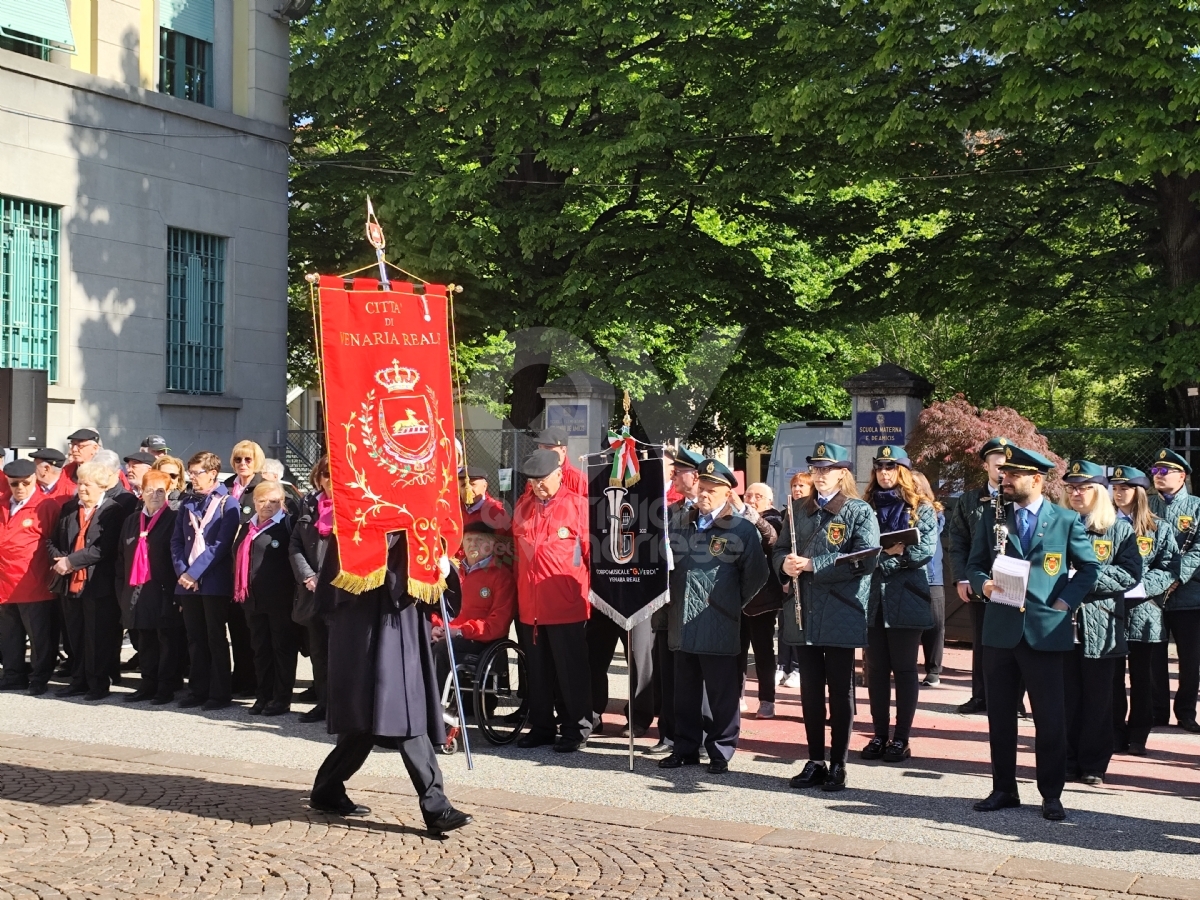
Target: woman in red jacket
{"x":489,"y":601}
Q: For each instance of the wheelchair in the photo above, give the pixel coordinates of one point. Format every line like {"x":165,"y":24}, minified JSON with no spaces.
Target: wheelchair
{"x":493,"y":685}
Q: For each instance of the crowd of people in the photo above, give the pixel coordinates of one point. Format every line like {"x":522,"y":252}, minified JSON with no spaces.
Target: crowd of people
{"x":222,"y":583}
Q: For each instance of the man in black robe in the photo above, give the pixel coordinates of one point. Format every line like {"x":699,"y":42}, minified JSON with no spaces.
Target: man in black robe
{"x":382,"y":689}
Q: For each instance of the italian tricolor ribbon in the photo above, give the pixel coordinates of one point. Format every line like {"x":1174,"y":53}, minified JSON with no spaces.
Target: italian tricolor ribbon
{"x":625,"y":467}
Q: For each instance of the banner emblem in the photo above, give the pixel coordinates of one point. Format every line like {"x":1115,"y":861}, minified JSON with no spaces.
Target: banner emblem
{"x":404,"y":416}
{"x":1103,"y":550}
{"x":836,"y":532}
{"x":1145,"y":545}
{"x":1052,"y":563}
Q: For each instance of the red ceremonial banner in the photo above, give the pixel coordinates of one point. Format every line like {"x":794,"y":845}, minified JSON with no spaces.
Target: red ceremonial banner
{"x":385,"y":361}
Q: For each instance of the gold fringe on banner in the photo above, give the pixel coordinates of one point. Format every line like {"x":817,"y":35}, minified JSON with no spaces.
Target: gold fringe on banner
{"x":426,"y":593}
{"x":359,"y":584}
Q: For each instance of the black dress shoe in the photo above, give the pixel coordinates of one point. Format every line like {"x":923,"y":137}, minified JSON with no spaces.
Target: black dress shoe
{"x":896,"y":751}
{"x":162,"y":699}
{"x":131,"y":665}
{"x":874,"y":749}
{"x":450,"y":820}
{"x":93,"y":696}
{"x":972,"y":706}
{"x":258,"y":708}
{"x":72,"y":690}
{"x":1091,"y":778}
{"x":1052,"y":810}
{"x":1134,"y":749}
{"x":138,"y":696}
{"x":535,"y":740}
{"x":678,"y":761}
{"x":813,"y":774}
{"x":717,"y":767}
{"x":1193,"y":726}
{"x":836,"y":779}
{"x":998,"y":800}
{"x":276,"y":709}
{"x":211,"y":705}
{"x":308,"y":695}
{"x":36,"y":690}
{"x":316,"y":714}
{"x":566,"y":745}
{"x":16,"y":684}
{"x":191,"y":701}
{"x":349,"y":808}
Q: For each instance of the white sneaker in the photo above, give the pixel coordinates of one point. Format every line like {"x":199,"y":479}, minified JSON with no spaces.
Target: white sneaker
{"x":779,"y":676}
{"x":766,"y":710}
{"x":745,"y":707}
{"x":792,"y":681}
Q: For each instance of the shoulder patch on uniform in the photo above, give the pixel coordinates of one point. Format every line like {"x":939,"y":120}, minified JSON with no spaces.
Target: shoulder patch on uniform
{"x":1145,"y":545}
{"x":1103,"y":550}
{"x":1052,"y":563}
{"x":836,"y":532}
{"x":1183,"y":523}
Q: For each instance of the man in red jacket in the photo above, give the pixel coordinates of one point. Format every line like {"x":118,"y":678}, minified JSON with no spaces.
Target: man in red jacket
{"x":555,"y":440}
{"x":489,"y":600}
{"x":27,"y":607}
{"x":552,"y":554}
{"x":486,"y":509}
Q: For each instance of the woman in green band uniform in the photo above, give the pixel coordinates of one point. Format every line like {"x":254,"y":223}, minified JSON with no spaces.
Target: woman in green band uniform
{"x":1100,"y":624}
{"x":1144,"y":627}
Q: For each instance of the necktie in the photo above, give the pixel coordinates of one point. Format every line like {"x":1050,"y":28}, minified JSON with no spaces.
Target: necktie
{"x":821,"y":501}
{"x":1024,"y":528}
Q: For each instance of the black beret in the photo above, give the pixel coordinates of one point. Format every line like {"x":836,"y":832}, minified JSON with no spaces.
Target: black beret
{"x":84,"y":434}
{"x":50,"y":455}
{"x":540,"y":463}
{"x":20,"y":468}
{"x":478,"y":528}
{"x":472,"y":472}
{"x":551,"y":437}
{"x":145,"y":458}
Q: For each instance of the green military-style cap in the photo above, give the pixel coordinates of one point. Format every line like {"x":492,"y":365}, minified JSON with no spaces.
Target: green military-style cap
{"x":994,"y":445}
{"x":687,"y":459}
{"x":1171,"y":459}
{"x":1018,"y":459}
{"x":826,"y":455}
{"x":715,"y":470}
{"x":1129,"y":475}
{"x":1083,"y":471}
{"x":893,"y":453}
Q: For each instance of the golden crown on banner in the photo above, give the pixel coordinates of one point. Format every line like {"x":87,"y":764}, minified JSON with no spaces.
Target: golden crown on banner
{"x":397,"y":378}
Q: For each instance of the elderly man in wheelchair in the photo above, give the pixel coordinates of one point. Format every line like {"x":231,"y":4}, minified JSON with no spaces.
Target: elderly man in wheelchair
{"x":490,"y":666}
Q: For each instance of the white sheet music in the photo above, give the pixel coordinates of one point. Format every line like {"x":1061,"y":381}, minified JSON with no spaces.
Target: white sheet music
{"x":1137,"y":592}
{"x":1011,"y":577}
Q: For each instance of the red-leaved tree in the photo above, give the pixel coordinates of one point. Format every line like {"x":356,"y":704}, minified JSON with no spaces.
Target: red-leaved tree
{"x":946,"y":442}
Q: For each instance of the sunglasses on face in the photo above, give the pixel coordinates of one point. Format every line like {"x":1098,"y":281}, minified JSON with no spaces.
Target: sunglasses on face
{"x":885,"y":466}
{"x":242,"y":459}
{"x":1160,"y":471}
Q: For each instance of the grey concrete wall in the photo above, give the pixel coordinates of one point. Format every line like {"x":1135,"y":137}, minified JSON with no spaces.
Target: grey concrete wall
{"x":185,"y":166}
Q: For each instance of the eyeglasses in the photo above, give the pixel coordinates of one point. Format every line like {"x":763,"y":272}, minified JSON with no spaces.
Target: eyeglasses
{"x":238,"y":459}
{"x":170,"y":472}
{"x":198,"y":473}
{"x":1160,"y":471}
{"x":885,"y":466}
{"x":1079,"y":488}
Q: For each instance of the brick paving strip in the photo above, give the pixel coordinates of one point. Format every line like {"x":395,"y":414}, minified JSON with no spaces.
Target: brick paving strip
{"x":92,"y":821}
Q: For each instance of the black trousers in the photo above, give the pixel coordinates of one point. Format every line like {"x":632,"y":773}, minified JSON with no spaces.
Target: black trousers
{"x":933,"y":640}
{"x":94,"y":625}
{"x":1185,"y":628}
{"x":603,"y":635}
{"x":664,"y":673}
{"x":244,"y":676}
{"x":273,"y":638}
{"x":318,"y":655}
{"x":559,"y":681}
{"x":161,"y":653}
{"x":35,"y":622}
{"x":832,"y":668}
{"x":1088,"y":698}
{"x":1042,"y":671}
{"x":718,"y":678}
{"x":352,"y":750}
{"x":208,"y":648}
{"x":787,"y":659}
{"x":893,"y":652}
{"x":759,"y":632}
{"x":1144,"y":661}
{"x":978,"y":678}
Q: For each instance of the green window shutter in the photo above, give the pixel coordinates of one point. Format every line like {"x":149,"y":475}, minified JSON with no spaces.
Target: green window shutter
{"x":28,"y":286}
{"x":46,"y":19}
{"x":191,"y":17}
{"x":193,"y":297}
{"x":20,"y":254}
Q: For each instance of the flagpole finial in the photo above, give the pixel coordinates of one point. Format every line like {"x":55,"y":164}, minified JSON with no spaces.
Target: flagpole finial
{"x":627,"y":421}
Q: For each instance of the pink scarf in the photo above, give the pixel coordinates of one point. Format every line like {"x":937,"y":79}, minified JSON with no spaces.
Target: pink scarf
{"x":198,"y":525}
{"x":140,"y":572}
{"x":241,"y":565}
{"x":324,"y":516}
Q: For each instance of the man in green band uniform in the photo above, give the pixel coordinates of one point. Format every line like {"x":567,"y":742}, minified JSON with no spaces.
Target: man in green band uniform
{"x":1030,"y":641}
{"x":1182,"y":511}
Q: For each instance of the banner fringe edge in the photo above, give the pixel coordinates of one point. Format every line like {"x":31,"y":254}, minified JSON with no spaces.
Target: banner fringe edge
{"x":359,"y":584}
{"x":638,"y":617}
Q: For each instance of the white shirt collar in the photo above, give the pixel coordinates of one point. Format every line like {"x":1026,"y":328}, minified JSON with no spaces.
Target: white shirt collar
{"x":483,"y":563}
{"x":47,"y":488}
{"x":14,"y":505}
{"x":826,"y":497}
{"x":1034,"y":506}
{"x":278,"y":517}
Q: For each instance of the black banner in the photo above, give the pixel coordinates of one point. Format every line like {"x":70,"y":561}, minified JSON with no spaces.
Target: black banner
{"x":628,"y":537}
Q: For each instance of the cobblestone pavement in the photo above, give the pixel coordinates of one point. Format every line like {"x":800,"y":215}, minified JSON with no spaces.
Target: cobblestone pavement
{"x":74,"y":826}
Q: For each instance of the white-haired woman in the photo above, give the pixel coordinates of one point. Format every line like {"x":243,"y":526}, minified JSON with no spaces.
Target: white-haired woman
{"x":83,"y":556}
{"x":1100,"y":624}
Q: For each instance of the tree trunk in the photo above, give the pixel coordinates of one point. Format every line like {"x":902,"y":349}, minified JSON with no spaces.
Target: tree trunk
{"x":1179,"y":221}
{"x":531,"y":366}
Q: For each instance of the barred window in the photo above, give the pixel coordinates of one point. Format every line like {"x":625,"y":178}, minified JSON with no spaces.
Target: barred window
{"x":28,"y":286}
{"x":195,"y":312}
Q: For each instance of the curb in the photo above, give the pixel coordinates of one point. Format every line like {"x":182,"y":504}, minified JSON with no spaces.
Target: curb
{"x":1014,"y":868}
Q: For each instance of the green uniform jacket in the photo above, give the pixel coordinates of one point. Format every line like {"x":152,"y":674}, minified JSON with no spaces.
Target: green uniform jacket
{"x":1144,"y":618}
{"x":900,"y":585}
{"x":961,"y":520}
{"x":1101,"y":619}
{"x":1060,"y":543}
{"x":717,"y":572}
{"x":833,"y":598}
{"x":1180,"y":514}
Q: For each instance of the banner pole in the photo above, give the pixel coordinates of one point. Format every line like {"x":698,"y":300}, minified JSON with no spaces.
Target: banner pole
{"x":462,"y":713}
{"x":629,"y":666}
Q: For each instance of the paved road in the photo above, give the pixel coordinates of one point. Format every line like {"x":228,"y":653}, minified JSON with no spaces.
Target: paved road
{"x":79,"y":827}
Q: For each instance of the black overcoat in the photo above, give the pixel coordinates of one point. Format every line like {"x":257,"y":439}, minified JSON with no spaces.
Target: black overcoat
{"x":271,"y":583}
{"x":307,"y":554}
{"x":382,"y":678}
{"x":246,"y":501}
{"x":151,"y":605}
{"x":99,"y":553}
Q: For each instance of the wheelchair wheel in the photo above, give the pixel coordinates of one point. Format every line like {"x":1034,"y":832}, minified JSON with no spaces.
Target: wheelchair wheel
{"x":501,"y":701}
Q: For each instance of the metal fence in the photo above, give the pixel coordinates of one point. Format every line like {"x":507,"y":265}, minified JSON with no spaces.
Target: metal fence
{"x":1110,"y":446}
{"x":301,"y":450}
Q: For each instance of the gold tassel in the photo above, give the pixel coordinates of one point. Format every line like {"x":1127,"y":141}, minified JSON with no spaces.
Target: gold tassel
{"x":614,"y":482}
{"x":359,"y":584}
{"x":633,"y":479}
{"x":426,"y":593}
